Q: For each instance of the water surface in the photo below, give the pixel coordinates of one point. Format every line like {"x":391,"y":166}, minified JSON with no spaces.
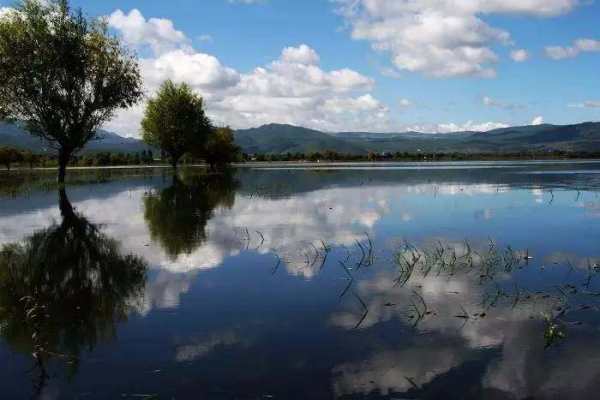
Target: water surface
{"x":388,"y":281}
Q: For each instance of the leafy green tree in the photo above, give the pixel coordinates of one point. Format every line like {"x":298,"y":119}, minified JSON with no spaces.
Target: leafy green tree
{"x":177,"y":216}
{"x":221,"y":148}
{"x":175,"y":121}
{"x":62,"y":74}
{"x":64,"y":288}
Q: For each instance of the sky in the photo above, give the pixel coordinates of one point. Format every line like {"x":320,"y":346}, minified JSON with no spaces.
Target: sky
{"x":367,"y":65}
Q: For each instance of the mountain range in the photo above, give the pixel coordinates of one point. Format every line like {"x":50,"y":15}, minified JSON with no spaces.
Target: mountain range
{"x":276,"y":138}
{"x":279,"y":139}
{"x":13,"y":135}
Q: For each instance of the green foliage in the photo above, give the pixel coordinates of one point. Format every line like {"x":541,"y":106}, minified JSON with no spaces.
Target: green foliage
{"x":62,"y":74}
{"x":63,"y":289}
{"x":221,"y":148}
{"x":177,"y":216}
{"x":175,"y":122}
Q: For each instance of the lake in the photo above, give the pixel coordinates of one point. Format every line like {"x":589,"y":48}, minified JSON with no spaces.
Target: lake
{"x":342,"y":281}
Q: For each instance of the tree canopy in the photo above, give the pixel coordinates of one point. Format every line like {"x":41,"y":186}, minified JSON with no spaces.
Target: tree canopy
{"x":62,"y":74}
{"x":175,"y":121}
{"x":221,"y":148}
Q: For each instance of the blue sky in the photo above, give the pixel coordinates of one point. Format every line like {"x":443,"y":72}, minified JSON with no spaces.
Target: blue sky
{"x":432,"y":65}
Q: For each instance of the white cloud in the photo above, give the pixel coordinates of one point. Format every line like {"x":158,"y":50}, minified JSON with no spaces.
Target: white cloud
{"x":440,"y":38}
{"x":470,"y":126}
{"x":519,"y":55}
{"x":292,"y":89}
{"x":158,"y":33}
{"x":202,"y":71}
{"x":300,"y":55}
{"x":539,"y":120}
{"x":586,"y":104}
{"x":578,"y":47}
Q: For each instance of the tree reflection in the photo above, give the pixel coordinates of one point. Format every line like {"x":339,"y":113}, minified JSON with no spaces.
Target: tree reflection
{"x":177,"y":216}
{"x":63,"y":289}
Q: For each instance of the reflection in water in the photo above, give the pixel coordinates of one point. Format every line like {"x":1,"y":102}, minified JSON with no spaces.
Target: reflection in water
{"x":63,"y":289}
{"x":177,"y":216}
{"x":462,"y":300}
{"x":299,"y":285}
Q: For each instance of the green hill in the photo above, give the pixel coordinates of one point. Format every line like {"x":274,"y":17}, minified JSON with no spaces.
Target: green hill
{"x":277,"y":139}
{"x":281,"y":139}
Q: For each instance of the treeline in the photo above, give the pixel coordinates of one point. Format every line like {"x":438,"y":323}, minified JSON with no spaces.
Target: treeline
{"x":11,"y":157}
{"x":406,"y":156}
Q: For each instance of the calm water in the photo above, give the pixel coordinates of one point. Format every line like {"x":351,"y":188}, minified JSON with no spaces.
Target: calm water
{"x":403,"y":281}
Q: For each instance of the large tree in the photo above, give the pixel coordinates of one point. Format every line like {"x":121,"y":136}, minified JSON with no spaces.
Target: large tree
{"x":175,"y":121}
{"x":62,"y":74}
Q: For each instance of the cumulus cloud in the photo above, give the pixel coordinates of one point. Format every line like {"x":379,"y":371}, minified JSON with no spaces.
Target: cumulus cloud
{"x":519,"y":55}
{"x":158,"y":33}
{"x":203,"y":72}
{"x":539,"y":120}
{"x":301,"y":55}
{"x":440,"y":38}
{"x":579,"y":46}
{"x":292,"y":89}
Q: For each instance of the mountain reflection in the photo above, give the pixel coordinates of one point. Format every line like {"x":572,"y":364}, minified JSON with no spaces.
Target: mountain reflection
{"x":63,"y":289}
{"x":177,"y":216}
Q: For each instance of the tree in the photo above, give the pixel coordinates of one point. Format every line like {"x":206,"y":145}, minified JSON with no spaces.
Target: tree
{"x":221,"y":148}
{"x":175,"y":122}
{"x":9,"y":156}
{"x":62,"y":74}
{"x":30,"y":158}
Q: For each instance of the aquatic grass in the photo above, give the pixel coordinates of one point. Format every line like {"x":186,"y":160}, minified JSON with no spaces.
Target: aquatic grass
{"x":419,"y":308}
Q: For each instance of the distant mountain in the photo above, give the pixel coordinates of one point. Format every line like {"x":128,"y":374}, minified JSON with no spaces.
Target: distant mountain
{"x":280,"y":139}
{"x":276,"y":139}
{"x":14,"y":136}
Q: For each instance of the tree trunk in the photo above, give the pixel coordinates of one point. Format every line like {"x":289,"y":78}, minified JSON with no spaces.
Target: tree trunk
{"x":63,"y":160}
{"x":66,"y":209}
{"x":174,"y":162}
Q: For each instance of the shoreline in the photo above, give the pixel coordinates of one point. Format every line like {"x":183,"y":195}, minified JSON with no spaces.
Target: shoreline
{"x":323,"y":164}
